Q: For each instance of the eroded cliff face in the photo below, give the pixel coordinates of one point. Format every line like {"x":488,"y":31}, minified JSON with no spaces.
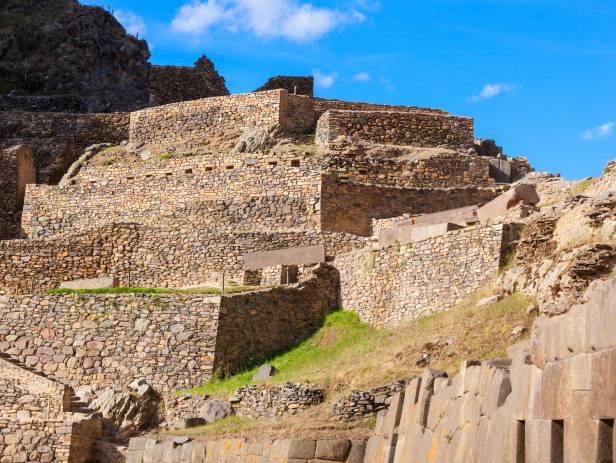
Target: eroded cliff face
{"x":80,"y":55}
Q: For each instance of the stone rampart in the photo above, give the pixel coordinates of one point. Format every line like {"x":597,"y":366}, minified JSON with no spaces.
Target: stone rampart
{"x":176,"y":341}
{"x":407,"y":281}
{"x":59,"y":138}
{"x":145,"y":449}
{"x":421,"y":129}
{"x":28,"y":266}
{"x":194,"y":126}
{"x":551,"y":401}
{"x":113,"y":339}
{"x":144,"y":256}
{"x":39,"y":421}
{"x":450,"y":170}
{"x":351,"y":207}
{"x":324,"y":104}
{"x":234,"y":193}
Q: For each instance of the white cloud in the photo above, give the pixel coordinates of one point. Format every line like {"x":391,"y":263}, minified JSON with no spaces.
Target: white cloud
{"x":324,"y":80}
{"x":362,"y":77}
{"x":492,"y":90}
{"x":604,"y":130}
{"x":196,"y":17}
{"x":133,"y":23}
{"x":289,"y":19}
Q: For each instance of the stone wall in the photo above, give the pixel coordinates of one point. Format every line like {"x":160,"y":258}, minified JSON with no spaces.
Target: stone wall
{"x":58,"y":139}
{"x":16,"y":171}
{"x":255,"y":323}
{"x":39,"y":420}
{"x":295,"y":85}
{"x":194,"y":126}
{"x":551,"y":401}
{"x":152,"y":450}
{"x":422,"y":129}
{"x":28,"y":266}
{"x":141,"y":256}
{"x":445,"y":170}
{"x":407,"y":281}
{"x":113,"y":339}
{"x":170,"y":84}
{"x":323,"y":104}
{"x":240,"y":193}
{"x":350,"y":207}
{"x":176,"y":341}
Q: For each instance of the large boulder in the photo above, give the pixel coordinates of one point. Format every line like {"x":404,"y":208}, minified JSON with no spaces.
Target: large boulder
{"x":129,"y":413}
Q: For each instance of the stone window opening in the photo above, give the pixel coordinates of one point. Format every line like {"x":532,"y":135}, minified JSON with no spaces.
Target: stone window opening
{"x":168,"y":174}
{"x":188,"y":171}
{"x":209,"y":169}
{"x":273,"y":163}
{"x":295,"y":163}
{"x":230,"y":167}
{"x":363,"y":172}
{"x":130,"y":178}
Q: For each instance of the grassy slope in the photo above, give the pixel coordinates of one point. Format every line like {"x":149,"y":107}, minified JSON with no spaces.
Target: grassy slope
{"x":347,"y":354}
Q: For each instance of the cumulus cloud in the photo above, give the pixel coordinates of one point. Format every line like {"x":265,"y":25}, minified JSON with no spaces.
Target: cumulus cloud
{"x":133,"y":23}
{"x":492,"y":90}
{"x":362,"y":77}
{"x":196,"y":17}
{"x":324,"y":80}
{"x":602,"y":131}
{"x":289,"y":19}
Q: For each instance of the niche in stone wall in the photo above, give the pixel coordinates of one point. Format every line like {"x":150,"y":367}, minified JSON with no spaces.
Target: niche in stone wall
{"x":26,"y":173}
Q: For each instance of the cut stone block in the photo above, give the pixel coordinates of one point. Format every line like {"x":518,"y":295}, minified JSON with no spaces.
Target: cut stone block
{"x":499,"y":206}
{"x":91,"y":283}
{"x":288,"y":256}
{"x":409,"y":233}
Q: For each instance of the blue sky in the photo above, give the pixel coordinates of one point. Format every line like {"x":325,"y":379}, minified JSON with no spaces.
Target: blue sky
{"x":537,"y":75}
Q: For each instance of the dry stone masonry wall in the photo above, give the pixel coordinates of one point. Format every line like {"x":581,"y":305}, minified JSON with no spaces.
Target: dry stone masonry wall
{"x":58,"y":139}
{"x":407,"y":281}
{"x":235,"y":193}
{"x":397,"y":128}
{"x":350,"y":207}
{"x":113,"y":339}
{"x":192,"y":126}
{"x":176,"y":341}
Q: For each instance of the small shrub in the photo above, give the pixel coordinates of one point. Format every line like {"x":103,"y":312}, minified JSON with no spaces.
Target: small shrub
{"x":165,"y":156}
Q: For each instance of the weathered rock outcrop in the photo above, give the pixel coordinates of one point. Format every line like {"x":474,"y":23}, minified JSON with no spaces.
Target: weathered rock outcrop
{"x":79,"y":56}
{"x":562,"y":250}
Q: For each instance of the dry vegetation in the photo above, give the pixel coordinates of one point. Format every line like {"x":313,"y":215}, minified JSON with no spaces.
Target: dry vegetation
{"x":347,"y":354}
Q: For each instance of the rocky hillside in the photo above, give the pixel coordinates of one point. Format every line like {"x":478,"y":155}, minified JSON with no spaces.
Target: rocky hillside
{"x":78,"y":54}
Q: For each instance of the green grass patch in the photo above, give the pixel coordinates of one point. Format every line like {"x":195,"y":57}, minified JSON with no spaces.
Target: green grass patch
{"x":341,"y":333}
{"x":164,"y":157}
{"x":123,"y":290}
{"x":345,"y":352}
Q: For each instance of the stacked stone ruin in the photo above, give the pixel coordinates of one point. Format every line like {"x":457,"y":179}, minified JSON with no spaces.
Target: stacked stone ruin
{"x":328,"y":223}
